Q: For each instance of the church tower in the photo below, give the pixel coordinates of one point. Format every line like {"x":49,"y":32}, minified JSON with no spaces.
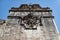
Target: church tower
{"x":29,"y":22}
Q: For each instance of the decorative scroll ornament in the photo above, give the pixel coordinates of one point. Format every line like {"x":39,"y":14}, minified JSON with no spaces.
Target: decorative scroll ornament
{"x":30,"y":20}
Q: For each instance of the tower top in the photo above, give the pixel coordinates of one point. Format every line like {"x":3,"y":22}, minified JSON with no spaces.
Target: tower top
{"x":24,"y":6}
{"x":33,"y":7}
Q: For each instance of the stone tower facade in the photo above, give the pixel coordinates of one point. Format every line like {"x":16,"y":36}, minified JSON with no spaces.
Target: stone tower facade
{"x":29,"y":22}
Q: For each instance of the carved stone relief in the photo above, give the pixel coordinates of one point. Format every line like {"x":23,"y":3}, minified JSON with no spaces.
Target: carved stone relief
{"x":29,"y":21}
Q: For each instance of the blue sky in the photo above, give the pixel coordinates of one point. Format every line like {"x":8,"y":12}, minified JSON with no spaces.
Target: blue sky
{"x":5,"y":5}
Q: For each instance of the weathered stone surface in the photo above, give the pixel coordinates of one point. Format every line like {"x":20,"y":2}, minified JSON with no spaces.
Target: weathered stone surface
{"x":59,"y":36}
{"x":29,"y":26}
{"x":17,"y":32}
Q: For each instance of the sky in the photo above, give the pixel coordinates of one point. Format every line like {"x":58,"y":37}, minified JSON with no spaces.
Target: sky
{"x":5,"y":6}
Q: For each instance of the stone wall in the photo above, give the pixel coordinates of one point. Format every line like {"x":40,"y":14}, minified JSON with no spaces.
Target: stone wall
{"x":25,"y":23}
{"x":17,"y":32}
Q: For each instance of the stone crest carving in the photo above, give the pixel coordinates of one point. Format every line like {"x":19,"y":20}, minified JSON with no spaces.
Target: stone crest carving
{"x":30,"y":20}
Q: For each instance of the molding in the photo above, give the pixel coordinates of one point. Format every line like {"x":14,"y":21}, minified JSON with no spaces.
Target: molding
{"x":14,"y":17}
{"x":47,"y":16}
{"x":30,"y":10}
